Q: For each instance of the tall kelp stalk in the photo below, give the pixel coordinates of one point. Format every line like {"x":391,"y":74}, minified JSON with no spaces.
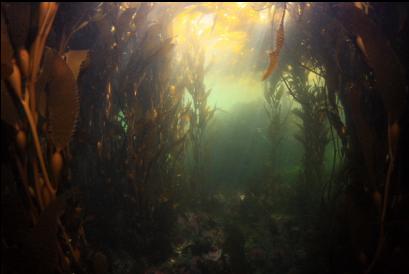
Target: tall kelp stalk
{"x":292,"y":72}
{"x":313,"y":134}
{"x":273,"y":93}
{"x":314,"y":36}
{"x":132,"y":115}
{"x":361,"y":56}
{"x":373,"y":95}
{"x":200,"y":113}
{"x":40,"y":105}
{"x":278,"y":114}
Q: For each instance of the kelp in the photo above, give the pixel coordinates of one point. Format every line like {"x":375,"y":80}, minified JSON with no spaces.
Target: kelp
{"x":69,"y":22}
{"x":390,"y":85}
{"x":380,"y":57}
{"x":273,"y":95}
{"x":144,"y":108}
{"x":28,"y":115}
{"x":19,"y":23}
{"x":275,"y":55}
{"x":58,"y":88}
{"x":200,"y":113}
{"x":6,"y":49}
{"x":132,"y":104}
{"x":313,"y":131}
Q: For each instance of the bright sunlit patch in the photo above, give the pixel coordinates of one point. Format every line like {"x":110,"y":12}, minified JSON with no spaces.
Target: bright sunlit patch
{"x":227,"y":32}
{"x":229,"y":90}
{"x":242,"y":5}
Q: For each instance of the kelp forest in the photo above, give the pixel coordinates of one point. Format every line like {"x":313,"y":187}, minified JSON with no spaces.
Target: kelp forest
{"x":204,"y":137}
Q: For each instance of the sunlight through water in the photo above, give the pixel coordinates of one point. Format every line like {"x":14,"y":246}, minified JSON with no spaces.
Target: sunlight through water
{"x":231,"y":36}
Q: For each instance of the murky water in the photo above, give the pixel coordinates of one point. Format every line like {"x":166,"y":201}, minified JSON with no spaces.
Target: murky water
{"x":209,"y":137}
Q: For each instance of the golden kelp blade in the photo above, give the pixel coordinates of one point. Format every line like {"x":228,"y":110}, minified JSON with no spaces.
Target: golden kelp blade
{"x":364,"y":6}
{"x":274,"y":56}
{"x":361,"y":46}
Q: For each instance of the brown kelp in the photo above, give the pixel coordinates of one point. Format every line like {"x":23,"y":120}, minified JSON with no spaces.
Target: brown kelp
{"x":273,"y":93}
{"x":115,"y":161}
{"x":355,"y":79}
{"x":360,"y":85}
{"x":39,"y":94}
{"x":136,"y":114}
{"x":275,"y":54}
{"x":200,"y":112}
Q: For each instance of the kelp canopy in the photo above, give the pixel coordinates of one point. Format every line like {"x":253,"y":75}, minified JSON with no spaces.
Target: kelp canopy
{"x":205,"y":137}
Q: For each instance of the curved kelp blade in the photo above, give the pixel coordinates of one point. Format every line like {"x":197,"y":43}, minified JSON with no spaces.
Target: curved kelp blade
{"x":57,"y":84}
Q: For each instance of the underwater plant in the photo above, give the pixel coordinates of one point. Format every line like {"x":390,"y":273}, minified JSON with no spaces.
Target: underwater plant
{"x":313,"y":133}
{"x":115,"y":161}
{"x":275,"y":54}
{"x":134,"y":98}
{"x":40,"y":102}
{"x":273,"y":94}
{"x":200,"y":113}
